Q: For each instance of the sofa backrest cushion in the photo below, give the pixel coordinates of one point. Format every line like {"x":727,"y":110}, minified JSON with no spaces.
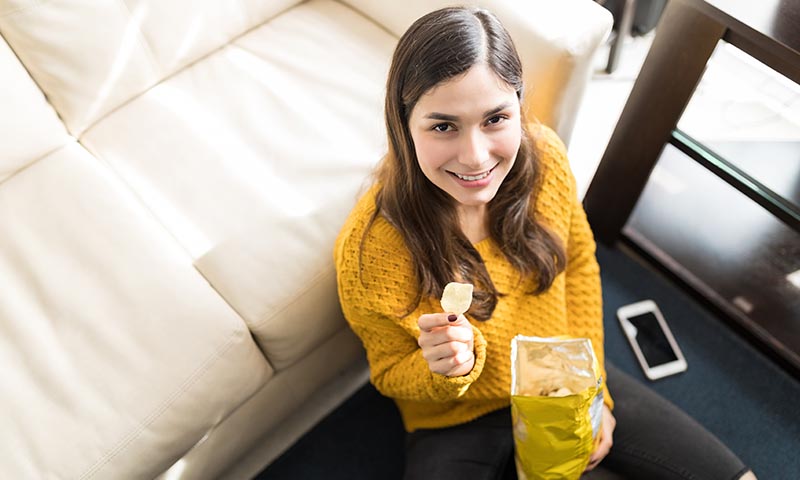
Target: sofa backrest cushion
{"x":28,"y":125}
{"x":91,"y":57}
{"x":555,"y":40}
{"x":253,"y":156}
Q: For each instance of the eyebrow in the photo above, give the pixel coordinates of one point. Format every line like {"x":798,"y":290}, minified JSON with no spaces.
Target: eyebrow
{"x":453,"y":118}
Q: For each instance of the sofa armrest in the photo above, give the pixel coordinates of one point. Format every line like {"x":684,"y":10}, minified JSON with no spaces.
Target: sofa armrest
{"x":556,"y":41}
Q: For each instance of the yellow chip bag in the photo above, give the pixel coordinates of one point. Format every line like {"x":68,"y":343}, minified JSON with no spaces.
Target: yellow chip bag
{"x":556,"y":406}
{"x":457,"y":297}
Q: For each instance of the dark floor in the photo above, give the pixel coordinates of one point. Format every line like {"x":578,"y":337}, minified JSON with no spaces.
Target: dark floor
{"x":732,"y":389}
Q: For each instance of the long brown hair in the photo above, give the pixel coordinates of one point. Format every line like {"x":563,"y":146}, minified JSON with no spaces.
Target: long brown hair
{"x":439,"y":46}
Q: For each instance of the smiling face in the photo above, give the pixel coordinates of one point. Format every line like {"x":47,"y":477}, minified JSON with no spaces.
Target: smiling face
{"x":466,"y":134}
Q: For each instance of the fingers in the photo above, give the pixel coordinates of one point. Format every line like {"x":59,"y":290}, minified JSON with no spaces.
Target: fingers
{"x":444,"y":351}
{"x":447,"y":346}
{"x":441,"y":335}
{"x":606,"y":439}
{"x":610,"y":423}
{"x":429,"y":321}
{"x":600,"y":452}
{"x":458,"y":364}
{"x":592,"y":464}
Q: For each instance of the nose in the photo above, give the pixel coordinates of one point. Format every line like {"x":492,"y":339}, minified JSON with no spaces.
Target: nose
{"x":474,"y":151}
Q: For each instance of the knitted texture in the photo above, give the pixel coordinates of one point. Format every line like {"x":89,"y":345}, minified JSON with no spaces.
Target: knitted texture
{"x":378,"y":284}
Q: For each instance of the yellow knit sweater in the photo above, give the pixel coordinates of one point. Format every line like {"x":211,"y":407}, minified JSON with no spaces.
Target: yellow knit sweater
{"x":386,"y":285}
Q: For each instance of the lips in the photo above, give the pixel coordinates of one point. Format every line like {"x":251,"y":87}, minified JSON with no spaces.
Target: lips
{"x":472,"y":178}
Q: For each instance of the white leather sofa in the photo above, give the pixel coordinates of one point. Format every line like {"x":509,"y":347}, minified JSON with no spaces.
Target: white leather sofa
{"x":172,"y":177}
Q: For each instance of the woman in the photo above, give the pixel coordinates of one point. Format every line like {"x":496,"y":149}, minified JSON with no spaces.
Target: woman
{"x":470,"y":192}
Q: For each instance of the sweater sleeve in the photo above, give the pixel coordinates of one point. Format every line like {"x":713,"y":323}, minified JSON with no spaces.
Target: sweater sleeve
{"x":583,"y":290}
{"x":376,"y":287}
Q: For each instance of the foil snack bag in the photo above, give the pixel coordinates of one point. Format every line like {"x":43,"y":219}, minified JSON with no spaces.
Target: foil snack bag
{"x":556,"y":405}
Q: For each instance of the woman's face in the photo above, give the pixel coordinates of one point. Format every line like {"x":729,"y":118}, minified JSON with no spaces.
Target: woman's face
{"x":466,"y":134}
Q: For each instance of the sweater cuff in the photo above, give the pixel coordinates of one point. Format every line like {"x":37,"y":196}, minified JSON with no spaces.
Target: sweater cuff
{"x":450,"y":388}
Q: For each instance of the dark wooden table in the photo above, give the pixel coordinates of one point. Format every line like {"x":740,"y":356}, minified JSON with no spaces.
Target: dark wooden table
{"x":689,"y":30}
{"x":685,"y":39}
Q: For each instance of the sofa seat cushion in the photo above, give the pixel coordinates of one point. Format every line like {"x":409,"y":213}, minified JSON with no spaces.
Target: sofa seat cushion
{"x":118,"y":356}
{"x":269,"y":138}
{"x":279,"y":275}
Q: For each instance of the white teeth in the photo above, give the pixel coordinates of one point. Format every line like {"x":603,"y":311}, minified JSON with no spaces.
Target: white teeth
{"x":470,"y":178}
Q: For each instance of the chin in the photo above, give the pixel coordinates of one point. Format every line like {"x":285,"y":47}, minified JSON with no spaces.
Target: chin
{"x":483,"y":198}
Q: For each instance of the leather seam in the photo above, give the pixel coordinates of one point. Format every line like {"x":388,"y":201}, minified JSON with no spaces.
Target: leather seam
{"x":145,"y":43}
{"x":156,"y":414}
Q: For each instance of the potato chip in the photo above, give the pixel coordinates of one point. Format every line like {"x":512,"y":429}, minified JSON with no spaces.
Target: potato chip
{"x":457,"y":297}
{"x":561,"y":392}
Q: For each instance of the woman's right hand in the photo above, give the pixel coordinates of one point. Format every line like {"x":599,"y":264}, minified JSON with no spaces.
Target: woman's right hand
{"x":446,"y":345}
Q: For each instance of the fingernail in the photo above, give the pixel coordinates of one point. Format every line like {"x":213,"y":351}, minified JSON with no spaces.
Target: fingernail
{"x":452,"y":318}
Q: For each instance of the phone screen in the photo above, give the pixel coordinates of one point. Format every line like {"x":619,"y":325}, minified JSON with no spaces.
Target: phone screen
{"x":652,"y":340}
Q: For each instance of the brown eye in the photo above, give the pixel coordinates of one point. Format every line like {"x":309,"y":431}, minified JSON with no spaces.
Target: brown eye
{"x":441,"y":127}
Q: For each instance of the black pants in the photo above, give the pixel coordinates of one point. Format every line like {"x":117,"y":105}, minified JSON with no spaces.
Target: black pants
{"x":653,"y":439}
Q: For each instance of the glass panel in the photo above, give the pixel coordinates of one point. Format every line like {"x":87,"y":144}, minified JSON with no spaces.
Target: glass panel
{"x":725,"y":241}
{"x":749,"y":115}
